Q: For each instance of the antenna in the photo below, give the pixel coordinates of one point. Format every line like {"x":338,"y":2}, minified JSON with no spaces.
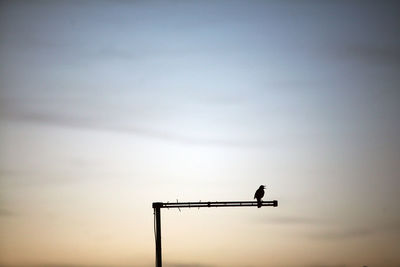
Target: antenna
{"x":157,"y":206}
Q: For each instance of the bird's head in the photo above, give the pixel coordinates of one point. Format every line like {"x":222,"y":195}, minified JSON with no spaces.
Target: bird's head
{"x":262,"y":186}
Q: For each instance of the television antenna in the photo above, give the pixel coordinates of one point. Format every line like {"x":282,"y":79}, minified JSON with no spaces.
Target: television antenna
{"x":157,"y":206}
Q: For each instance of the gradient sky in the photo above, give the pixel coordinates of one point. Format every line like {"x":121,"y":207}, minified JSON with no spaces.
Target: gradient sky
{"x":108,"y":106}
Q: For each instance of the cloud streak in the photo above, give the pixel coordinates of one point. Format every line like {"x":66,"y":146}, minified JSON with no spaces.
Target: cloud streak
{"x":69,"y":265}
{"x":373,"y":54}
{"x":291,"y":220}
{"x":388,"y":227}
{"x":84,"y":265}
{"x":187,"y":265}
{"x":77,"y":122}
{"x":6,"y":213}
{"x":342,"y":234}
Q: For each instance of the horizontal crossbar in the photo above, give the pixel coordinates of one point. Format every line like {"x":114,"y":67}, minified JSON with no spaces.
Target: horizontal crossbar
{"x":209,"y":204}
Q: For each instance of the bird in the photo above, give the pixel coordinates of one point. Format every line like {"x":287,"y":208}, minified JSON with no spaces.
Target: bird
{"x":259,"y":195}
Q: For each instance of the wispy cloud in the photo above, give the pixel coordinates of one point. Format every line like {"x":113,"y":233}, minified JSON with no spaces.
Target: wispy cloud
{"x":388,"y":227}
{"x":372,"y":54}
{"x":392,"y":226}
{"x":6,"y":213}
{"x":291,"y":220}
{"x":187,"y":265}
{"x":70,"y":265}
{"x":342,"y":234}
{"x":87,"y":123}
{"x":325,"y":230}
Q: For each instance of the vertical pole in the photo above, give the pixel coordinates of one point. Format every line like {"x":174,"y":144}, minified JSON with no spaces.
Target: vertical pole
{"x":158,"y":237}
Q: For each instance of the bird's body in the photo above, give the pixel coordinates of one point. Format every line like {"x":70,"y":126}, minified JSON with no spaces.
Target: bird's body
{"x":259,"y":195}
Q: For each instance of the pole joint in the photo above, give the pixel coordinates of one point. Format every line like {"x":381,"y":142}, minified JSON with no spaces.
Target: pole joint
{"x":157,"y":205}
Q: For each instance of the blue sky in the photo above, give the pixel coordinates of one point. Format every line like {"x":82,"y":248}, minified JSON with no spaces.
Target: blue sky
{"x":107,"y":106}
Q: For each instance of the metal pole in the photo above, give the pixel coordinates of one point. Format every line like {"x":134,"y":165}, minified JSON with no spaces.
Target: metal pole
{"x":158,"y":236}
{"x":215,"y":204}
{"x":157,"y":206}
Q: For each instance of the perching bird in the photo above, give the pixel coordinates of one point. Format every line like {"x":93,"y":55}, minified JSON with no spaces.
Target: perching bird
{"x":259,"y":195}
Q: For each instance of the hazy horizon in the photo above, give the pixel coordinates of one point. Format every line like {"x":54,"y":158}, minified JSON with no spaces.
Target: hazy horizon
{"x":108,"y":106}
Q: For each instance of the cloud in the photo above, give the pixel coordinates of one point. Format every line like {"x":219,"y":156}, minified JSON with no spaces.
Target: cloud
{"x":187,"y":265}
{"x":28,"y":177}
{"x":70,"y":265}
{"x":291,"y":220}
{"x":372,"y":54}
{"x":391,"y":227}
{"x":7,"y":173}
{"x":86,"y":123}
{"x":342,"y":234}
{"x":84,"y":265}
{"x":6,"y":213}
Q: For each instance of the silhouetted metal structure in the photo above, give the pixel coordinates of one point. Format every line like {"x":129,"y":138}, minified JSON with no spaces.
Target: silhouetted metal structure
{"x":157,"y":206}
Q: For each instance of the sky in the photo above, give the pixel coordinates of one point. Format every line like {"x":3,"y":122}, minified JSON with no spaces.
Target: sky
{"x":108,"y":106}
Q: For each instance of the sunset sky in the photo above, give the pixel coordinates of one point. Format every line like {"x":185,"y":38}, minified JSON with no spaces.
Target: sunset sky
{"x":108,"y":106}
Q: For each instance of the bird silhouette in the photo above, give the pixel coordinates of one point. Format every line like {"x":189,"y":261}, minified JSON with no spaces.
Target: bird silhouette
{"x":259,"y":195}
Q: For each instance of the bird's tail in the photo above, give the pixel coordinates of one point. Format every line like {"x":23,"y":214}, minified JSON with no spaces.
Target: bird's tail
{"x":259,"y":203}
